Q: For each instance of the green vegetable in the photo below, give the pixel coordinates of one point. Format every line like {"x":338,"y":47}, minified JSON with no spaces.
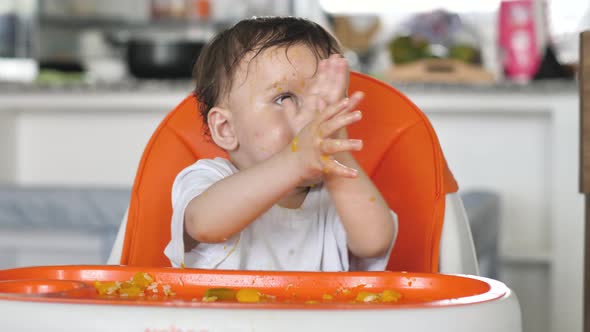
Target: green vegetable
{"x":222,"y":294}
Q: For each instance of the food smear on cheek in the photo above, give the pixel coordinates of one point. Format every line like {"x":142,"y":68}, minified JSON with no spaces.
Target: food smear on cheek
{"x":294,"y":143}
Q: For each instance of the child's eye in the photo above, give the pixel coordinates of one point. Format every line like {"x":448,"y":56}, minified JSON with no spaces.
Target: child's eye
{"x":281,"y":99}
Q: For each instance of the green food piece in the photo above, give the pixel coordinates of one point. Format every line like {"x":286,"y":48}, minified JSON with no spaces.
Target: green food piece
{"x":222,"y":294}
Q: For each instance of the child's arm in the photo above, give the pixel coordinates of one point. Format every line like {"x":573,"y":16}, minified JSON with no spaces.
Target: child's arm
{"x":367,"y":219}
{"x":231,"y":204}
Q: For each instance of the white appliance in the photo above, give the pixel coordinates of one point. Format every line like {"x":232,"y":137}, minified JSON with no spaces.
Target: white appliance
{"x":17,"y":26}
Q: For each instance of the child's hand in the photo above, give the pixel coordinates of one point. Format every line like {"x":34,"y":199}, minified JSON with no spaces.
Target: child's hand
{"x":315,"y":145}
{"x":331,"y":83}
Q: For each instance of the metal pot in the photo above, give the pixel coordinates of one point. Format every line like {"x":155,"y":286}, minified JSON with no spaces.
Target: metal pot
{"x":162,"y":58}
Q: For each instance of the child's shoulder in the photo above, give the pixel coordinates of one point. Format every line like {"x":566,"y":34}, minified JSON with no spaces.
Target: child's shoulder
{"x":202,"y":173}
{"x":218,"y":165}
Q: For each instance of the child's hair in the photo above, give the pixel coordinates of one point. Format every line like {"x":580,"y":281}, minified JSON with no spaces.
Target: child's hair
{"x":217,"y":63}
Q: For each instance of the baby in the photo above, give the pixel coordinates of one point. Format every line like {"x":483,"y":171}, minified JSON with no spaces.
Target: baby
{"x":291,"y":196}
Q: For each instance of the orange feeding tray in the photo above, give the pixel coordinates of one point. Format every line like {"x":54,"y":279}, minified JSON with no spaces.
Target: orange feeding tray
{"x":63,"y":297}
{"x":75,"y":284}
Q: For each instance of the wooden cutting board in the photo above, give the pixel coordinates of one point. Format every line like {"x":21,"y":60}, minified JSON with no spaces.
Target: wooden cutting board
{"x":440,"y":71}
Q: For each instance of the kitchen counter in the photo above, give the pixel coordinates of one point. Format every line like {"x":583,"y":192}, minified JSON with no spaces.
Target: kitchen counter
{"x":162,"y":96}
{"x":133,"y":85}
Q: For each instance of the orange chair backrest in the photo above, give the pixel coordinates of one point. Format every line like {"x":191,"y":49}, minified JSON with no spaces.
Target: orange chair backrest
{"x":402,"y":155}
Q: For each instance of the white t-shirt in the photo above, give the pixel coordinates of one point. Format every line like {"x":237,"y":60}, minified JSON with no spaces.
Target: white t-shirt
{"x":310,"y":238}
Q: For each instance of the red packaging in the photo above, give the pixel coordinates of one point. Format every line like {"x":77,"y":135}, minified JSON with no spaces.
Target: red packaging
{"x":517,"y":39}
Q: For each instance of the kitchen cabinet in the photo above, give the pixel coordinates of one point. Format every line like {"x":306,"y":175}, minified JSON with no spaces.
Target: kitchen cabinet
{"x":523,"y":144}
{"x":518,"y":141}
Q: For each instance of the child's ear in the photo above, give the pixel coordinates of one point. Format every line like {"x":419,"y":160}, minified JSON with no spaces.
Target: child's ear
{"x":221,"y":127}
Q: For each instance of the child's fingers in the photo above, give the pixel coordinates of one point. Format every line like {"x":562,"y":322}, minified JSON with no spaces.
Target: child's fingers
{"x":343,"y":106}
{"x":353,"y":101}
{"x":330,"y":82}
{"x":337,"y":72}
{"x":321,"y":79}
{"x":330,"y":146}
{"x":333,"y":167}
{"x":331,"y":110}
{"x":329,"y":127}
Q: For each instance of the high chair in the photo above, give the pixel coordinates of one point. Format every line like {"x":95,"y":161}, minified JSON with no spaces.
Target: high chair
{"x":402,"y":156}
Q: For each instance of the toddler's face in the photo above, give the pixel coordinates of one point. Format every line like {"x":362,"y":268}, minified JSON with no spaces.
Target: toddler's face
{"x":266,"y":101}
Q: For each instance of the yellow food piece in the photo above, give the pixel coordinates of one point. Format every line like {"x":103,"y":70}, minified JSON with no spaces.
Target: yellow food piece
{"x":128,"y":289}
{"x":327,"y":297}
{"x":209,"y":299}
{"x":311,"y":302}
{"x":366,"y":297}
{"x":142,"y":280}
{"x":106,"y":288}
{"x":248,"y":295}
{"x":390,"y":296}
{"x":224,"y":294}
{"x":138,"y":285}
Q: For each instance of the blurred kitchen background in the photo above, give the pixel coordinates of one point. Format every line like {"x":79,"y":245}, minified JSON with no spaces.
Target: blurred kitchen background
{"x":83,"y":84}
